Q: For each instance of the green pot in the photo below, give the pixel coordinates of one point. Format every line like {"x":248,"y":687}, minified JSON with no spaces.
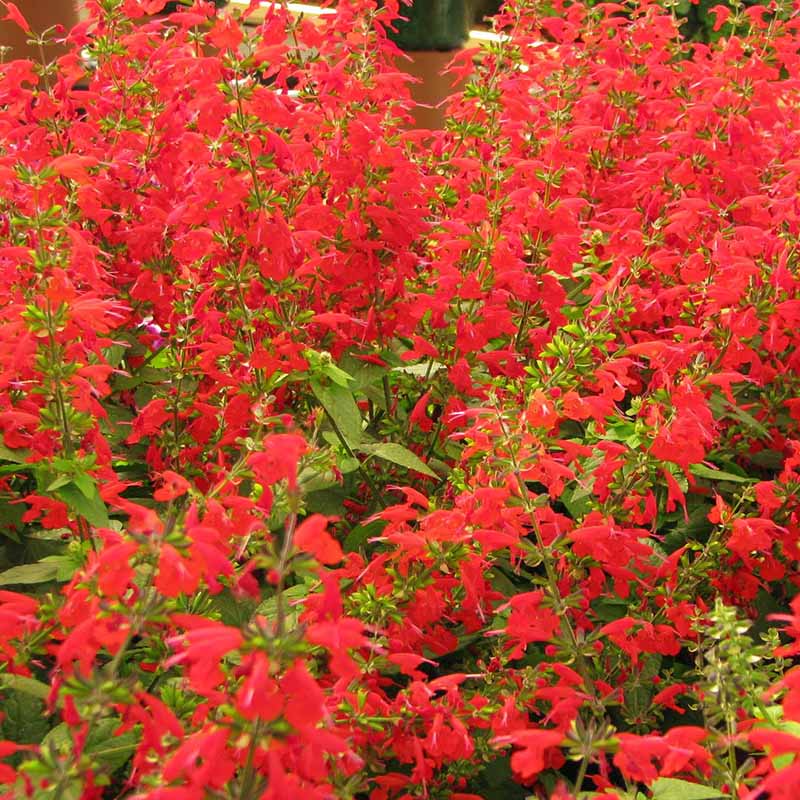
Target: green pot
{"x":433,"y":25}
{"x":488,"y":8}
{"x":181,"y":5}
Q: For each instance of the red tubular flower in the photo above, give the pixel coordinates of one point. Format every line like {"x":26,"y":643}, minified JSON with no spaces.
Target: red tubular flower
{"x":203,"y":647}
{"x":536,"y":749}
{"x":278,"y":459}
{"x":173,"y":486}
{"x":259,"y":696}
{"x":312,"y":537}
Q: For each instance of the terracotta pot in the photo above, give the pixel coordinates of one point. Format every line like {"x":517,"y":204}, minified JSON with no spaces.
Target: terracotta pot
{"x":41,"y":15}
{"x":433,"y":88}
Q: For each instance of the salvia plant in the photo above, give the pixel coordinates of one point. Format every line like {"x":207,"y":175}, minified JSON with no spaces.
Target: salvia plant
{"x":340,"y":459}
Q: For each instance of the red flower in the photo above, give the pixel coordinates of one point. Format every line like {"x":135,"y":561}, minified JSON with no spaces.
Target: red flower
{"x":312,"y":537}
{"x":173,"y":486}
{"x":278,"y":459}
{"x":535,"y":749}
{"x":15,"y":15}
{"x":203,"y":647}
{"x":305,"y":700}
{"x":226,"y":33}
{"x":259,"y":696}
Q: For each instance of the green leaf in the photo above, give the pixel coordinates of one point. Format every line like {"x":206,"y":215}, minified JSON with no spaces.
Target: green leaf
{"x":10,"y":469}
{"x":40,"y":572}
{"x":102,"y":744}
{"x":25,"y":717}
{"x":86,"y":484}
{"x":721,"y":406}
{"x":362,"y":373}
{"x":116,"y":750}
{"x":314,"y":480}
{"x":15,"y":456}
{"x":147,"y":375}
{"x":422,"y":369}
{"x":58,"y":483}
{"x":66,"y":566}
{"x":327,"y":501}
{"x":21,"y":683}
{"x":502,"y":583}
{"x":675,"y":789}
{"x":337,"y":375}
{"x":702,"y":471}
{"x":609,"y":609}
{"x":321,"y":364}
{"x":397,"y":454}
{"x":695,"y":528}
{"x":58,"y":737}
{"x":624,"y":432}
{"x":770,"y":459}
{"x":340,"y":406}
{"x":578,"y":501}
{"x":361,"y":533}
{"x":232,"y":610}
{"x":92,"y":509}
{"x":269,"y":608}
{"x":49,"y":534}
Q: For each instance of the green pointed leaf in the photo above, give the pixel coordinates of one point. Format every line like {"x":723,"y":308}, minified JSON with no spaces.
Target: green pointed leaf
{"x":21,"y":683}
{"x":41,"y":572}
{"x":24,"y":717}
{"x":102,"y":744}
{"x":361,"y":533}
{"x":771,"y":459}
{"x":675,"y":789}
{"x":269,"y":607}
{"x":340,"y":406}
{"x":702,"y":471}
{"x":86,"y":485}
{"x":11,"y":469}
{"x":721,"y":406}
{"x":421,"y":370}
{"x":397,"y":454}
{"x":58,"y":483}
{"x":233,"y":610}
{"x":92,"y":509}
{"x":362,"y":373}
{"x":15,"y":456}
{"x":116,"y":750}
{"x":337,"y":375}
{"x":66,"y":566}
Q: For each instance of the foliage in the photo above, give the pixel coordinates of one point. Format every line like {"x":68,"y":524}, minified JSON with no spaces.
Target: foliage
{"x":340,"y":459}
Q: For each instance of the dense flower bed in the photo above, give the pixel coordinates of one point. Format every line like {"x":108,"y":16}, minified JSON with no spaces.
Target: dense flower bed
{"x":344,"y":460}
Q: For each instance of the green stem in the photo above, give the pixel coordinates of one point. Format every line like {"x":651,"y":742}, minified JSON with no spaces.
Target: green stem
{"x":247,"y":790}
{"x":387,"y":396}
{"x":434,"y":439}
{"x":552,"y":578}
{"x":581,"y":773}
{"x":251,"y":164}
{"x":283,"y":560}
{"x":58,"y":395}
{"x":361,"y":468}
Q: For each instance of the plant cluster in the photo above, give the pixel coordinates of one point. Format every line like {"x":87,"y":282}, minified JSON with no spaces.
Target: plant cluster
{"x":345,"y":460}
